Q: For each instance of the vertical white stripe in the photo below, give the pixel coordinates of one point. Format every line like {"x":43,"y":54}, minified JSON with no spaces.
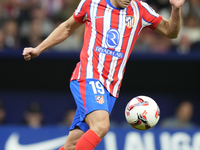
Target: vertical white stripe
{"x":79,"y":7}
{"x":128,"y":48}
{"x":93,"y":12}
{"x":106,"y":27}
{"x":145,"y":23}
{"x":79,"y":72}
{"x":113,"y":64}
{"x":149,"y":9}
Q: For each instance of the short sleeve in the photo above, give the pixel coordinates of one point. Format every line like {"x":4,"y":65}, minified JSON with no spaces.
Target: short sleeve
{"x":80,"y":13}
{"x":149,"y":17}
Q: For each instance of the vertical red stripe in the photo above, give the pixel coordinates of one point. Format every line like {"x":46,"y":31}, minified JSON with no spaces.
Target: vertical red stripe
{"x":123,"y":50}
{"x":114,"y":24}
{"x":84,"y":55}
{"x":82,"y":85}
{"x":128,"y":31}
{"x":139,"y":25}
{"x":76,"y":72}
{"x":98,"y":41}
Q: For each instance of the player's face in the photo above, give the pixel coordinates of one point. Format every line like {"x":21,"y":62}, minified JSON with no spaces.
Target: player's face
{"x":120,"y":3}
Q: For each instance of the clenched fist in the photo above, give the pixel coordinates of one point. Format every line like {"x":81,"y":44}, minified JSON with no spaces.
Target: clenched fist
{"x":177,"y":3}
{"x":29,"y":53}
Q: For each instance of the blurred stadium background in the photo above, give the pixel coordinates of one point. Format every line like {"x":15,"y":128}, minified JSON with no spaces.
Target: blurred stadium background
{"x":166,"y":70}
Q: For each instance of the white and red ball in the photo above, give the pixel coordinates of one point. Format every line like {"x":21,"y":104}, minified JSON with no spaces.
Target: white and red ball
{"x":142,"y":113}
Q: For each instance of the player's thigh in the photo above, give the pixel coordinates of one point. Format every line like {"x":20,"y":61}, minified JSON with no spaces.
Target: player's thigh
{"x":96,"y":117}
{"x":72,"y":138}
{"x":94,"y":104}
{"x":99,"y":122}
{"x":90,"y":95}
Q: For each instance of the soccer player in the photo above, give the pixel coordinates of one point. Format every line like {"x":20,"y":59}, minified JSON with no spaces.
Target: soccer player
{"x":111,"y":29}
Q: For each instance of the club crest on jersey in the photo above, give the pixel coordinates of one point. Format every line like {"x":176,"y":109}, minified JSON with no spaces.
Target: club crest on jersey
{"x":130,"y":20}
{"x":99,"y":99}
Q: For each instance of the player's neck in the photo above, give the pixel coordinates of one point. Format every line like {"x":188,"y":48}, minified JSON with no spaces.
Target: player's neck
{"x":114,"y":3}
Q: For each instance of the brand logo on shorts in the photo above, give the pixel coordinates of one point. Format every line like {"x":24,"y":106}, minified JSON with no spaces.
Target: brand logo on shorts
{"x":99,"y":99}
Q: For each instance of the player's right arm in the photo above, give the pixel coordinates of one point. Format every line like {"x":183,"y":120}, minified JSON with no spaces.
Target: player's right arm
{"x":62,"y":32}
{"x":170,"y":28}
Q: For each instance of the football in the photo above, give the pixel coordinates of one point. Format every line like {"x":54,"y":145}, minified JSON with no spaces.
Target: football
{"x":142,"y":113}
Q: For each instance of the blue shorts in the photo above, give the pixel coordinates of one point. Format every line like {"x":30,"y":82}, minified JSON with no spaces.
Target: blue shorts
{"x":89,"y":95}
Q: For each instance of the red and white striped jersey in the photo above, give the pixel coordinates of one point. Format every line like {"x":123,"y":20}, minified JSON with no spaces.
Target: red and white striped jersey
{"x":110,"y":34}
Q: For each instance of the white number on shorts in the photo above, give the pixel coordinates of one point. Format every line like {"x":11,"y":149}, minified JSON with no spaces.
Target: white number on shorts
{"x":97,"y":87}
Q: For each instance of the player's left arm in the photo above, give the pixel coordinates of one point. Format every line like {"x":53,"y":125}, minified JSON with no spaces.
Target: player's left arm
{"x":62,"y":32}
{"x":170,"y":28}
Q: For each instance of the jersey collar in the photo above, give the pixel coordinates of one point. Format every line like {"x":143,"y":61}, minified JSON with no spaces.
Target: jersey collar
{"x":109,"y":3}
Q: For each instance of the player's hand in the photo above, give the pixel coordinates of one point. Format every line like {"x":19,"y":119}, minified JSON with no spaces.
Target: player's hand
{"x":29,"y":53}
{"x":177,"y":3}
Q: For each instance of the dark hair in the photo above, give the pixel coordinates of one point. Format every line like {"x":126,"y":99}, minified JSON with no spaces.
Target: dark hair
{"x":34,"y":108}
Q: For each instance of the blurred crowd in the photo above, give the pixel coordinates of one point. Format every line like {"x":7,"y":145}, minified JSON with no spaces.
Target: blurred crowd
{"x":189,"y":37}
{"x":28,"y":22}
{"x":33,"y":117}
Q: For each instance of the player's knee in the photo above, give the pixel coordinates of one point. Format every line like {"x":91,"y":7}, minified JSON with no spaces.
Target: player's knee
{"x":105,"y":128}
{"x":72,"y":139}
{"x":99,"y":122}
{"x":71,"y":145}
{"x":101,"y":128}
